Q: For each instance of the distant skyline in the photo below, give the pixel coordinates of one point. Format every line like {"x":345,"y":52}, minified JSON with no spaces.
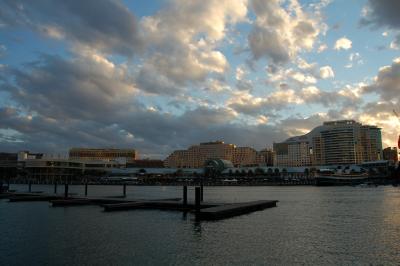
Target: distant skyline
{"x":158,"y":76}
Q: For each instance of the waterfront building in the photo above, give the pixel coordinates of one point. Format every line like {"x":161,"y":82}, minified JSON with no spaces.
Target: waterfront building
{"x":8,"y":165}
{"x":268,"y":156}
{"x":197,"y":155}
{"x":127,"y":155}
{"x":60,"y":170}
{"x":145,"y":163}
{"x":390,"y":154}
{"x":333,"y":143}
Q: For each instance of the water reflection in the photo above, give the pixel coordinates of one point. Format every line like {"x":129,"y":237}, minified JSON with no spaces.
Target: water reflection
{"x":316,"y":226}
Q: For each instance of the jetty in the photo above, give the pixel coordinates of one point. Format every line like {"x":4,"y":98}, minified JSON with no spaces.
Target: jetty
{"x":202,"y":210}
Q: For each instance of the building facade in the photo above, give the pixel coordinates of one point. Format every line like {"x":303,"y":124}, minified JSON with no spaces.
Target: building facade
{"x":129,"y":155}
{"x":197,"y":155}
{"x":8,"y":165}
{"x":145,"y":163}
{"x":390,"y":154}
{"x":333,"y":143}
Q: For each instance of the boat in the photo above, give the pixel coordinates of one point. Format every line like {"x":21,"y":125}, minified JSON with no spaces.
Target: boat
{"x":330,"y":178}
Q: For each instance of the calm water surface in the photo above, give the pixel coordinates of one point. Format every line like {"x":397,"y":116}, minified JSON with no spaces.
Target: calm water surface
{"x":311,"y":225}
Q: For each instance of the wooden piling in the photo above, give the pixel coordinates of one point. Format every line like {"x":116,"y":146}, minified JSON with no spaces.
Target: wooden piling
{"x":184,"y":195}
{"x":201,"y":191}
{"x":124,"y":190}
{"x":86,"y":189}
{"x":66,"y":191}
{"x":30,"y":186}
{"x":55,"y":188}
{"x":197,"y":198}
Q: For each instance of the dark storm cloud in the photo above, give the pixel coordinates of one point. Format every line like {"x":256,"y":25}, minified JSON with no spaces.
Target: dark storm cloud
{"x":387,"y":83}
{"x":68,"y":88}
{"x":382,"y":13}
{"x":107,"y":25}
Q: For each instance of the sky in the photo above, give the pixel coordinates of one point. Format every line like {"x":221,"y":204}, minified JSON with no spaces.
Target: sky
{"x":163,"y":75}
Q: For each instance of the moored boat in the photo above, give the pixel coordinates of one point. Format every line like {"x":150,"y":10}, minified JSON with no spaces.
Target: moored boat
{"x":329,"y":178}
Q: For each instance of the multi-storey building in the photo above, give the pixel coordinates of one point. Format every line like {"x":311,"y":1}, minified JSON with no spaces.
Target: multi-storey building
{"x":8,"y":165}
{"x":390,"y":154}
{"x":197,"y":155}
{"x":335,"y":142}
{"x":268,"y":156}
{"x":129,"y":155}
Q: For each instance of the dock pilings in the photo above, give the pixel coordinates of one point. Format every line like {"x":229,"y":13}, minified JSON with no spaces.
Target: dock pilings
{"x":197,"y":198}
{"x":86,"y":189}
{"x":184,"y":195}
{"x":201,"y":191}
{"x":66,"y":191}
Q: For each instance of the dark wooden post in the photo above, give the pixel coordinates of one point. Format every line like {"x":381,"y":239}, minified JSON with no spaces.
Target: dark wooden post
{"x":184,"y":195}
{"x":86,"y":188}
{"x":197,"y":199}
{"x":201,"y":190}
{"x":124,"y":190}
{"x":66,"y":190}
{"x":8,"y":184}
{"x":55,"y":187}
{"x":30,"y":186}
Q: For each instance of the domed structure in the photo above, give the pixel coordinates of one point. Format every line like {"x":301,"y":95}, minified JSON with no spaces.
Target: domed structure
{"x":216,"y":166}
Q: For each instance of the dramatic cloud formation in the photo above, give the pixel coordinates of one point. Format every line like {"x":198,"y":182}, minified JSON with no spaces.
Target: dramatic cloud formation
{"x":163,"y":76}
{"x":182,"y":47}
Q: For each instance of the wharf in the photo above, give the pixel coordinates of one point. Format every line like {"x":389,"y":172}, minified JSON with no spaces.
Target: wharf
{"x":230,"y":210}
{"x":201,"y":210}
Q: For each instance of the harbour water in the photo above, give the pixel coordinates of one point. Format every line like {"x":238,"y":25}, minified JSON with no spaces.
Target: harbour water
{"x":311,"y":225}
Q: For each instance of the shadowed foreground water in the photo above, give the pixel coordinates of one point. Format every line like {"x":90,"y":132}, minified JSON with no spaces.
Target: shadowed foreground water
{"x":311,"y":225}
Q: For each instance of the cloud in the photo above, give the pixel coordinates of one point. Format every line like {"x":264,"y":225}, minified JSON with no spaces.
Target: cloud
{"x":110,"y":28}
{"x":343,"y":43}
{"x":387,"y":83}
{"x":395,"y":44}
{"x":279,"y":32}
{"x":182,"y":49}
{"x":89,"y":101}
{"x":354,"y":58}
{"x":79,"y":88}
{"x":322,"y":48}
{"x":326,"y":72}
{"x":383,"y":13}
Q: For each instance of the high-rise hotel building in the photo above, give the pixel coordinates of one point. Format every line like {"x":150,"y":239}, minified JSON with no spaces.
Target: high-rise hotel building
{"x":333,"y":143}
{"x":197,"y":155}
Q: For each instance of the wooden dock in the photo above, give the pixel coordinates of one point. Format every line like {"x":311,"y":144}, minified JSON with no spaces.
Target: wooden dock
{"x":230,"y":210}
{"x":155,"y":204}
{"x":202,"y":210}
